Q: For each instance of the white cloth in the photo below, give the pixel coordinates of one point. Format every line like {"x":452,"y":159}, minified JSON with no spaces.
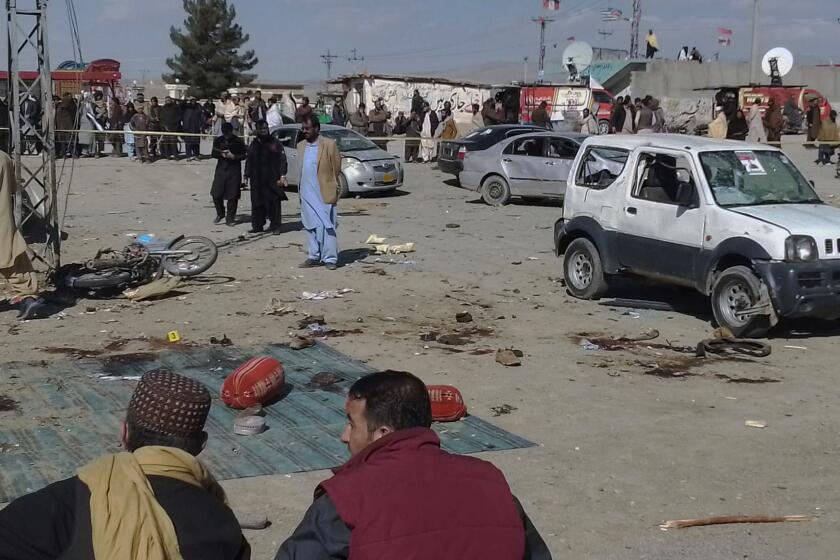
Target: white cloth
{"x":590,"y":126}
{"x":757,"y":133}
{"x":273,"y":117}
{"x":428,"y":147}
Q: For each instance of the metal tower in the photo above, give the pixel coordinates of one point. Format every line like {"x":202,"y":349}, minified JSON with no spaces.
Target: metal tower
{"x":541,"y":68}
{"x":634,"y":28}
{"x":37,"y":199}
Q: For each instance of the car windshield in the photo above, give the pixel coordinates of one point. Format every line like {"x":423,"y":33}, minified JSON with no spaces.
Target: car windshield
{"x":749,"y":178}
{"x":349,"y":141}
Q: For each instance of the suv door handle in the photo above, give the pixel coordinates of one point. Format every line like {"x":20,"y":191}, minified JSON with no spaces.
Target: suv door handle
{"x":507,"y":160}
{"x":549,"y":163}
{"x":631,"y":210}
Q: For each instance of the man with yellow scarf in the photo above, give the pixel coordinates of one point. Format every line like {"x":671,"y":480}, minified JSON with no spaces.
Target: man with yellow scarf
{"x":155,"y":501}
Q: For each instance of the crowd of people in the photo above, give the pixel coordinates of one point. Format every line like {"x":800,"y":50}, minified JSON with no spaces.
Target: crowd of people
{"x":636,"y":116}
{"x":156,"y":500}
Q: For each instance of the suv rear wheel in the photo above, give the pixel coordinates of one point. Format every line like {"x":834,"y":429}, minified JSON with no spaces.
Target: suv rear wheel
{"x":495,"y":191}
{"x":583,"y":270}
{"x":736,"y":290}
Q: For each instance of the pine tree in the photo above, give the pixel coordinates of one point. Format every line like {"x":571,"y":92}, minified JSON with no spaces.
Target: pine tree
{"x":210,"y":61}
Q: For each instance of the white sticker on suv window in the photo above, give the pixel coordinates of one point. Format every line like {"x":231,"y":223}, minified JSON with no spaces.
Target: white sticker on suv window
{"x":751,"y":163}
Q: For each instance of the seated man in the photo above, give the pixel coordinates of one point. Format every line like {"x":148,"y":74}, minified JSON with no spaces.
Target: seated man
{"x":401,"y":496}
{"x":155,"y":501}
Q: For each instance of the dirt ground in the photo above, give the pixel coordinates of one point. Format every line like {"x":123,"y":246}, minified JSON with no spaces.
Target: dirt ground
{"x":628,"y":437}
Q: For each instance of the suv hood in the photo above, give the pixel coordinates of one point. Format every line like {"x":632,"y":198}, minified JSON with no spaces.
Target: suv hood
{"x":816,"y":220}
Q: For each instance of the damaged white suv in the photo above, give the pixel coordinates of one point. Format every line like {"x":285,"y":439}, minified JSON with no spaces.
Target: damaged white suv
{"x":738,"y":222}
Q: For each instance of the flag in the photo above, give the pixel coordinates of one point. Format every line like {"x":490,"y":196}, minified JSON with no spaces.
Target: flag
{"x":725,"y":31}
{"x":611,"y":14}
{"x":725,"y":41}
{"x":551,"y":4}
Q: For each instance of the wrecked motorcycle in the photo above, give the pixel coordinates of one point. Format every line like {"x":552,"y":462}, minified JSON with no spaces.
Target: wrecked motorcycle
{"x":141,"y":262}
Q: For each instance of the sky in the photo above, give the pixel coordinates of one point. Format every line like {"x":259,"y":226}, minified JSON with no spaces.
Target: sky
{"x":452,"y":38}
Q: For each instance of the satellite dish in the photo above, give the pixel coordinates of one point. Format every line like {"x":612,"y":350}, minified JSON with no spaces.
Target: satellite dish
{"x":776,"y":63}
{"x":576,"y":58}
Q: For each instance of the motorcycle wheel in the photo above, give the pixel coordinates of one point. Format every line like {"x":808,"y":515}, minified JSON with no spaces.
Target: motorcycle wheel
{"x":202,"y":255}
{"x":98,"y":280}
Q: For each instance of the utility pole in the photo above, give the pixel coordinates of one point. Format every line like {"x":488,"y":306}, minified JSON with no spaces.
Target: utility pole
{"x":355,"y":58}
{"x":634,"y":28}
{"x":754,"y":52}
{"x":328,"y":60}
{"x":525,"y":81}
{"x":542,"y":21}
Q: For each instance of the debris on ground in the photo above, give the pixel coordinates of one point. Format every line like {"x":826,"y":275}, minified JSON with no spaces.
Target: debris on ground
{"x":791,"y":347}
{"x":728,"y":346}
{"x":329,"y":294}
{"x":464,"y":317}
{"x":256,"y":523}
{"x":755,"y":424}
{"x":638,"y":304}
{"x":154,"y":289}
{"x":394,"y":249}
{"x":7,"y":404}
{"x":378,"y":271}
{"x":728,"y":519}
{"x":248,"y":425}
{"x":747,"y":380}
{"x":430,"y":336}
{"x":276,"y":307}
{"x":8,"y":447}
{"x":502,"y":409}
{"x":374,"y":239}
{"x":326,"y":379}
{"x":311,"y":320}
{"x":301,"y":342}
{"x":447,"y":403}
{"x":224,"y":341}
{"x":453,"y":226}
{"x":255,"y":382}
{"x":509,"y":357}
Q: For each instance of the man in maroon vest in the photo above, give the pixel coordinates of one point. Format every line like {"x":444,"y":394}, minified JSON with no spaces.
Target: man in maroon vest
{"x":401,"y":496}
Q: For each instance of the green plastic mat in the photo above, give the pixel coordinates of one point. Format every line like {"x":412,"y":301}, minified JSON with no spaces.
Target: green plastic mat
{"x":67,"y":415}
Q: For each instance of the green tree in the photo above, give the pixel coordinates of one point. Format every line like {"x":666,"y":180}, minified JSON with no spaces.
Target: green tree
{"x":210,"y":61}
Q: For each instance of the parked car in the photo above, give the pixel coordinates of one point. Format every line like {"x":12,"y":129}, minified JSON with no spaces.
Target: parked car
{"x":364,"y":166}
{"x":452,"y":152}
{"x":532,"y":165}
{"x":736,"y":221}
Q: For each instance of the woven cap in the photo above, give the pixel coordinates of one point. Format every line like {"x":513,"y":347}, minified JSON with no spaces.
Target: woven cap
{"x":169,"y":404}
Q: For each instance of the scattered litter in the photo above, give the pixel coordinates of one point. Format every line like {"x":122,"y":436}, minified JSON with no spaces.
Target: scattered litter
{"x":430,"y":336}
{"x":329,"y":294}
{"x":300,"y":342}
{"x":727,"y":346}
{"x":311,"y":320}
{"x":394,"y":249}
{"x":638,"y":304}
{"x":516,"y":263}
{"x":173,"y":336}
{"x":8,"y":447}
{"x":464,"y":317}
{"x":631,"y":314}
{"x":256,"y":523}
{"x":275,"y":307}
{"x":326,"y":379}
{"x":795,"y":347}
{"x":533,"y":258}
{"x":727,"y":519}
{"x":154,"y":289}
{"x":377,"y":271}
{"x":453,"y":226}
{"x":224,"y":341}
{"x":502,"y":409}
{"x":119,"y":378}
{"x":509,"y":357}
{"x":588,"y":344}
{"x":374,"y":239}
{"x":318,"y":328}
{"x":7,"y":404}
{"x":747,"y":380}
{"x":755,"y":424}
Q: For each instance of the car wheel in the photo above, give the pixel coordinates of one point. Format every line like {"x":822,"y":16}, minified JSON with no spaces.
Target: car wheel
{"x":583,"y":270}
{"x":495,"y":191}
{"x":604,"y":127}
{"x":343,"y":187}
{"x":737,"y":289}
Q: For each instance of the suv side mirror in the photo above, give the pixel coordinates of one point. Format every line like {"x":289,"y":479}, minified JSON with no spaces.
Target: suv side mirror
{"x":685,"y":194}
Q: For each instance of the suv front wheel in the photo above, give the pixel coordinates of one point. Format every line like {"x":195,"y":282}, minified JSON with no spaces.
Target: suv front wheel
{"x":583,"y":270}
{"x":736,"y":291}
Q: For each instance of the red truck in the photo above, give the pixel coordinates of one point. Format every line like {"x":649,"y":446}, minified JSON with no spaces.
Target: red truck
{"x":566,"y":102}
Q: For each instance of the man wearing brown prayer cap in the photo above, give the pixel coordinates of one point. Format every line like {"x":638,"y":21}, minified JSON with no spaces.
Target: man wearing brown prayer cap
{"x":154,"y":501}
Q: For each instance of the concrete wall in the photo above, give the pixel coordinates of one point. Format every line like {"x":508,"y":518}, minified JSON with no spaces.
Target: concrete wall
{"x":679,"y":79}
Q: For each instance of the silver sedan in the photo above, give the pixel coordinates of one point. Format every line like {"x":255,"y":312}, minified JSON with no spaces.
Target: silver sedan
{"x":534,"y":165}
{"x":365,"y":167}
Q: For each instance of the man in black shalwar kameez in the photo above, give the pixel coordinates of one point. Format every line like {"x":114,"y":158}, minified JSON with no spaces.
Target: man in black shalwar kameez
{"x":265,"y":170}
{"x":229,"y":150}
